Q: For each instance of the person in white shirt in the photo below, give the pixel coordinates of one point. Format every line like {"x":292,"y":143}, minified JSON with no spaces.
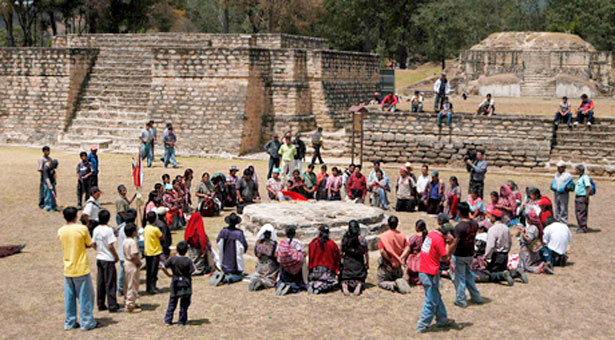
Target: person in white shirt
{"x":89,"y":217}
{"x":106,"y":281}
{"x":487,"y":106}
{"x":416,"y":102}
{"x":555,"y":238}
{"x":421,"y":184}
{"x":441,"y":88}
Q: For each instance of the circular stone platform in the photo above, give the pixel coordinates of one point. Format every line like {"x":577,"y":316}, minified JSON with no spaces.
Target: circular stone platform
{"x":309,"y":216}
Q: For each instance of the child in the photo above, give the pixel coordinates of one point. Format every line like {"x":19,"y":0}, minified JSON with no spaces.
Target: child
{"x":132,"y":264}
{"x":153,"y":249}
{"x":181,"y":284}
{"x":104,"y":237}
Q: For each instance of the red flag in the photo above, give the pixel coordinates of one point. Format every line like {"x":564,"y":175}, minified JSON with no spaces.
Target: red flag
{"x":137,"y":172}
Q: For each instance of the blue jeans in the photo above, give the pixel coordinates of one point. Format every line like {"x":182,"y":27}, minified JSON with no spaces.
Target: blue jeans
{"x":464,"y":278}
{"x":448,"y":118}
{"x":434,"y":306}
{"x":169,"y":155}
{"x":146,"y":152}
{"x":581,"y":116}
{"x":118,"y":220}
{"x":79,"y":288}
{"x":120,"y":279}
{"x":559,"y":116}
{"x":273,"y":163}
{"x":50,"y":201}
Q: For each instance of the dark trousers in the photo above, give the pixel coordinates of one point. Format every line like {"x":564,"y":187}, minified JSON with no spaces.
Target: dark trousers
{"x":273,"y":163}
{"x":83,"y":188}
{"x":106,"y":285}
{"x":582,"y":117}
{"x":559,"y":116}
{"x":317,"y":153}
{"x":498,"y":265}
{"x":581,"y":210}
{"x":9,"y":250}
{"x":184,"y":303}
{"x":41,"y":193}
{"x":151,"y":272}
{"x":405,"y":205}
{"x":480,"y":185}
{"x":433,"y":206}
{"x":241,"y":205}
{"x":93,"y":180}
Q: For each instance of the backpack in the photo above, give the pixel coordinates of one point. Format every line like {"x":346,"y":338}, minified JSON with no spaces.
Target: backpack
{"x":593,"y":192}
{"x":289,"y":257}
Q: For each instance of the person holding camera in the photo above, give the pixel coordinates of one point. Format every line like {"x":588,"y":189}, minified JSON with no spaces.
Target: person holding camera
{"x":477,"y":168}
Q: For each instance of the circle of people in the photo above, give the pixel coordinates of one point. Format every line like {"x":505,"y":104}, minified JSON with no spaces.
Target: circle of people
{"x":477,"y":249}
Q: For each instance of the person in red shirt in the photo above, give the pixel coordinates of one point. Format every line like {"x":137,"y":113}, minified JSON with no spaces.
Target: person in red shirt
{"x":325,"y":258}
{"x":389,"y":103}
{"x":357,"y":185}
{"x":394,"y":250}
{"x":433,"y":251}
{"x":585,"y":110}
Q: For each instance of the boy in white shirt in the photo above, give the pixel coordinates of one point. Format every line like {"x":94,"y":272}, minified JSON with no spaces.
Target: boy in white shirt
{"x":106,"y":257}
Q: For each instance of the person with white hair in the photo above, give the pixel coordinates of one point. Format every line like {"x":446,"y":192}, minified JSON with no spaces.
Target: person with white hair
{"x":562,"y":184}
{"x":267,"y":267}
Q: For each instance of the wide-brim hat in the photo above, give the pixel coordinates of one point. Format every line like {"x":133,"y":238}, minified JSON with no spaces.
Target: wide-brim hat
{"x":232,"y":219}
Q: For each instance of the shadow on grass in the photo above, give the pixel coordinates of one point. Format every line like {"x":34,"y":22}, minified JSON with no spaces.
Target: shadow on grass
{"x":198,"y":322}
{"x":457,"y":326}
{"x":106,"y":321}
{"x":149,"y":306}
{"x":486,"y":300}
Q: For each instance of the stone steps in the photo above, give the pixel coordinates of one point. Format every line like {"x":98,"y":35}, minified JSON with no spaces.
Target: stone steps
{"x":120,"y":70}
{"x":135,"y":124}
{"x":114,"y":107}
{"x":103,"y":100}
{"x":586,"y":143}
{"x":119,"y":78}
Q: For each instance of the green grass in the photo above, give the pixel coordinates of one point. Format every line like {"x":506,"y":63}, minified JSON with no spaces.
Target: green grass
{"x":404,"y":78}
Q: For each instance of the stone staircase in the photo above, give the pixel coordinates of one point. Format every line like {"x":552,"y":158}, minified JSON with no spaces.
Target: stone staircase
{"x":535,"y":85}
{"x":334,"y":143}
{"x":593,"y":146}
{"x":114,"y":107}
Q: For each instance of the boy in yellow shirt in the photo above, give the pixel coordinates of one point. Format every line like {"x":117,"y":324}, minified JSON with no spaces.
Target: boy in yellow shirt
{"x":153,"y":248}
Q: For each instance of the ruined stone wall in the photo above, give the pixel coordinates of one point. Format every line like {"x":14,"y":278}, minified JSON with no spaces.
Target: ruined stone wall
{"x":337,"y":81}
{"x":39,"y":89}
{"x":511,"y":142}
{"x":276,"y":40}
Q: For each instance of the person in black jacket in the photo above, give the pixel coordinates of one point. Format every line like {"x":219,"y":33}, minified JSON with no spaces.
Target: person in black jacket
{"x":300,"y":156}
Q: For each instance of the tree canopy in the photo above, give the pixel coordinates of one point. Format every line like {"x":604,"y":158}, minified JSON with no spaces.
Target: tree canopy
{"x":401,"y":31}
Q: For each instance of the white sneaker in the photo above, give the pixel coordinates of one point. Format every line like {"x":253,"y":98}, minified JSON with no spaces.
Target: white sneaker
{"x":576,"y":123}
{"x":589,"y":123}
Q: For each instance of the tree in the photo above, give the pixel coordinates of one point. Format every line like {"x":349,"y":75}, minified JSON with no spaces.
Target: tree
{"x":7,"y":14}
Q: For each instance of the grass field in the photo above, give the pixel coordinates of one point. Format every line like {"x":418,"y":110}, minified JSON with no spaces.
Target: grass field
{"x":575,"y":303}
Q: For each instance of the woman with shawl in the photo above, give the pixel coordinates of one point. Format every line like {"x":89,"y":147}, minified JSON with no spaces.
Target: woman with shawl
{"x":267,"y":268}
{"x":324,"y":264}
{"x":200,"y":248}
{"x":477,"y":207}
{"x":355,"y":260}
{"x":415,"y":242}
{"x":542,"y":209}
{"x":291,"y":257}
{"x":453,"y":194}
{"x":530,"y":259}
{"x":507,"y":204}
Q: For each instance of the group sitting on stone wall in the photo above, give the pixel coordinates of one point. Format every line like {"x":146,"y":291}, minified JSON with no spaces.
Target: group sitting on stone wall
{"x":585,"y":112}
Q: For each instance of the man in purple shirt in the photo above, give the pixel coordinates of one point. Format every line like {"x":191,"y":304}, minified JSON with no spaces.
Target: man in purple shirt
{"x":232,"y":245}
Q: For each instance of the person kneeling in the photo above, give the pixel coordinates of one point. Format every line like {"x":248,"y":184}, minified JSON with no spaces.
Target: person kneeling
{"x":324,"y":265}
{"x":232,"y":245}
{"x":394,"y":251}
{"x":355,"y":260}
{"x":555,"y":238}
{"x":267,"y":268}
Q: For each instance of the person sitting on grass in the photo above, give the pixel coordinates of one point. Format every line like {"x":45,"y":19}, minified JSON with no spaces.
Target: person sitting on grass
{"x":291,"y":257}
{"x":231,"y":245}
{"x":297,"y":184}
{"x":132,"y":265}
{"x":324,"y":266}
{"x":355,"y":260}
{"x":106,"y":257}
{"x":267,"y":267}
{"x":334,"y":185}
{"x":321,"y":183}
{"x":379,"y":188}
{"x":394,"y":251}
{"x":555,"y":238}
{"x":310,"y":181}
{"x":447,"y":110}
{"x":275,"y":185}
{"x":563,"y":113}
{"x":416,"y":102}
{"x":487,"y":106}
{"x":181,"y":284}
{"x":585,"y":111}
{"x":477,"y":207}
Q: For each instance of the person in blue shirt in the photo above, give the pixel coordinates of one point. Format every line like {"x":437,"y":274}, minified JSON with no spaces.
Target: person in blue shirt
{"x":93,"y":159}
{"x":582,"y":191}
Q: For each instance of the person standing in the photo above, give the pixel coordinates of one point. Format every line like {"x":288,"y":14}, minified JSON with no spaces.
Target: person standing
{"x":288,"y":152}
{"x":433,"y":251}
{"x":106,"y":258}
{"x":169,"y":148}
{"x":84,"y":172}
{"x":562,"y":184}
{"x":441,"y":88}
{"x":75,"y":238}
{"x":153,"y":248}
{"x":271,"y":148}
{"x":122,"y":204}
{"x":92,"y":209}
{"x":463,"y":250}
{"x":40,"y":167}
{"x":477,"y":169}
{"x":582,"y":190}
{"x":421,"y":185}
{"x":300,"y":155}
{"x":49,"y":180}
{"x":132,"y":264}
{"x":93,"y":159}
{"x":317,"y":145}
{"x":181,"y":284}
{"x":154,"y":134}
{"x":146,"y":144}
